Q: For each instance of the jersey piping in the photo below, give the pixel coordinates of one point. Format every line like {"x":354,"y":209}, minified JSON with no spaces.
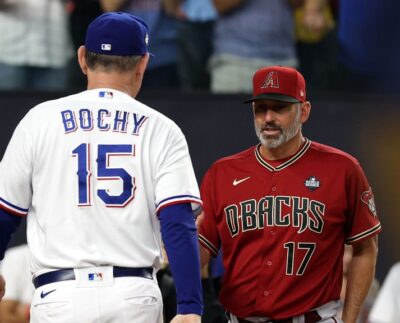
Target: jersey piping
{"x":364,"y":234}
{"x":207,"y":244}
{"x":178,"y":199}
{"x":12,"y":208}
{"x":287,"y":163}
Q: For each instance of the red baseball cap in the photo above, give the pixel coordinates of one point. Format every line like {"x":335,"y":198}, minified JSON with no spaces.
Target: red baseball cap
{"x":278,"y":83}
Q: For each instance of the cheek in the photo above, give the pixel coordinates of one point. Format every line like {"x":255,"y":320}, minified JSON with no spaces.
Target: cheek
{"x":258,"y":120}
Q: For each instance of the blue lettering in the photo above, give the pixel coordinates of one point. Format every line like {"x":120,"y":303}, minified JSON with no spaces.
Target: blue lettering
{"x":100,"y":119}
{"x":137,"y":123}
{"x":86,"y":119}
{"x":68,"y":118}
{"x":120,"y":123}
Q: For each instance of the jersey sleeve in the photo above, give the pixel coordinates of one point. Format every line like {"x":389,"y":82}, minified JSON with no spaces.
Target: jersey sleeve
{"x":208,"y":233}
{"x":15,"y":173}
{"x":175,"y":179}
{"x":363,"y":222}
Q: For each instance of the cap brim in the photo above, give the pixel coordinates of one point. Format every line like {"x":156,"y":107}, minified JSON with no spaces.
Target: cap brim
{"x":273,"y":96}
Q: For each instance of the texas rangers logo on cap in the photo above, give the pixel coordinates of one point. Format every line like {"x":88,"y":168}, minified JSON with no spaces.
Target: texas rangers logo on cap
{"x":367,"y":198}
{"x":271,"y":80}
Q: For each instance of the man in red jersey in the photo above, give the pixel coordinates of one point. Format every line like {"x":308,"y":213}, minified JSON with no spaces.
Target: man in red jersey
{"x":282,"y":211}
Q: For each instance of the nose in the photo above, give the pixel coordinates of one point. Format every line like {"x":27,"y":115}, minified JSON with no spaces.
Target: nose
{"x":269,"y":115}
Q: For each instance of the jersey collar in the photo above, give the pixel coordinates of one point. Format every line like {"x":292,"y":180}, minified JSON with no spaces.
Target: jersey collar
{"x":286,"y":163}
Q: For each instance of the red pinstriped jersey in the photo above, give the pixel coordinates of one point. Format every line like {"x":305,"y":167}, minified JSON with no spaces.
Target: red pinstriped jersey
{"x":282,"y":225}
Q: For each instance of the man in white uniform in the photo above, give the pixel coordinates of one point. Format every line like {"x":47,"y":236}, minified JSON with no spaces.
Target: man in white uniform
{"x":386,"y":308}
{"x":102,"y":177}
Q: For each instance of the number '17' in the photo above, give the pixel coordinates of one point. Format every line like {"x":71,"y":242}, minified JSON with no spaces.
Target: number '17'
{"x":104,"y":172}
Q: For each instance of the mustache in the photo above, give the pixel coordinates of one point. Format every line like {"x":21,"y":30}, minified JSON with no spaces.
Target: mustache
{"x":270,"y":126}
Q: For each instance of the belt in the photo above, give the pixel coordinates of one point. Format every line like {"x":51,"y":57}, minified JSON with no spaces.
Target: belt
{"x":69,"y":274}
{"x":309,"y":317}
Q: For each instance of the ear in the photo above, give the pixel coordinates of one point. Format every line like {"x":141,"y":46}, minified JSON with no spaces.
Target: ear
{"x":305,"y":111}
{"x":81,"y":59}
{"x":141,"y":66}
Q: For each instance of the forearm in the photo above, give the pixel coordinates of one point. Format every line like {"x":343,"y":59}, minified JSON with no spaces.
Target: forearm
{"x":9,"y":223}
{"x":204,"y":256}
{"x":180,"y":240}
{"x":361,"y":274}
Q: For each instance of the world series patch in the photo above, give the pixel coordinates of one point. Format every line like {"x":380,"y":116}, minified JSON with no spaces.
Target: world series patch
{"x":312,"y":183}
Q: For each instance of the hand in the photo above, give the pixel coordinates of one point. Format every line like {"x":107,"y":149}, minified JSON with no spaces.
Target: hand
{"x":186,"y":318}
{"x":3,"y":287}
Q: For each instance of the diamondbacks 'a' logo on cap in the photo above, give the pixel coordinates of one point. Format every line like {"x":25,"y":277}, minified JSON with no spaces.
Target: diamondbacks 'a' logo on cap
{"x":368,"y":198}
{"x":271,"y":80}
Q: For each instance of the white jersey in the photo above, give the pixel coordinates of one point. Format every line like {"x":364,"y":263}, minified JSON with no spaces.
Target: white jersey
{"x":92,"y":170}
{"x":15,"y":269}
{"x":386,"y":308}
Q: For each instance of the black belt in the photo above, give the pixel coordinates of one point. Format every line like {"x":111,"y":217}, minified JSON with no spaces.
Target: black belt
{"x":68,"y":274}
{"x":309,"y":317}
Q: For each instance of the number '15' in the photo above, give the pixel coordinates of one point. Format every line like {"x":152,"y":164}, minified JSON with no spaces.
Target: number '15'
{"x":104,"y":172}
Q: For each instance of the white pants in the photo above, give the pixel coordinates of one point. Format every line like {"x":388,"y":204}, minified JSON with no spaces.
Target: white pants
{"x":119,"y":300}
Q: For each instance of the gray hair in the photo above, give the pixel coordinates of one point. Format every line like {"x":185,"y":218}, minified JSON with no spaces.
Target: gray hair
{"x":111,"y":63}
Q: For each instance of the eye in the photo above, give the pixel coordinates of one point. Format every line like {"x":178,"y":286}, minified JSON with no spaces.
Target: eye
{"x":260,"y":108}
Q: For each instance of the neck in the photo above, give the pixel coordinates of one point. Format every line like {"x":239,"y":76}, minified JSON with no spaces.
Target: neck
{"x":123,"y":82}
{"x":287,"y":149}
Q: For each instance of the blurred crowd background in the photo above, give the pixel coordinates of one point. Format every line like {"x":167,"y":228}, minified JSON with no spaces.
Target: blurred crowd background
{"x":204,"y":55}
{"x":211,"y":45}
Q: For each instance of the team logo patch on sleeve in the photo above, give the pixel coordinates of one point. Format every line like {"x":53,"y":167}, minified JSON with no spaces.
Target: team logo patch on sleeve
{"x":367,"y":197}
{"x":312,"y":183}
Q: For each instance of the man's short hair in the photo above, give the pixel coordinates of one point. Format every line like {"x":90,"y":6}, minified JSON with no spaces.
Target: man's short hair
{"x":111,"y":63}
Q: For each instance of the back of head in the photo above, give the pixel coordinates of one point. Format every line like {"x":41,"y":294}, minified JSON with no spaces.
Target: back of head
{"x":115,"y":41}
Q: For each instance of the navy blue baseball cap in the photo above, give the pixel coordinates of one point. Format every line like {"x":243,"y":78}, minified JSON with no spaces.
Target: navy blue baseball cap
{"x":117,"y":33}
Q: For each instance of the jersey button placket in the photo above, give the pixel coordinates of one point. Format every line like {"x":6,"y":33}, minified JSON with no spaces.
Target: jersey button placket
{"x":273,"y":182}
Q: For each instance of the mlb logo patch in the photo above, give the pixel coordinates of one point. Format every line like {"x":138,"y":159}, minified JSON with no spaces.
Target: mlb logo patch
{"x":95,"y":277}
{"x":106,"y":47}
{"x":106,"y":94}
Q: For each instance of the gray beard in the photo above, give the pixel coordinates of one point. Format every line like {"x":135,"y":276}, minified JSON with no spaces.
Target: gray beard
{"x":285,"y":136}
